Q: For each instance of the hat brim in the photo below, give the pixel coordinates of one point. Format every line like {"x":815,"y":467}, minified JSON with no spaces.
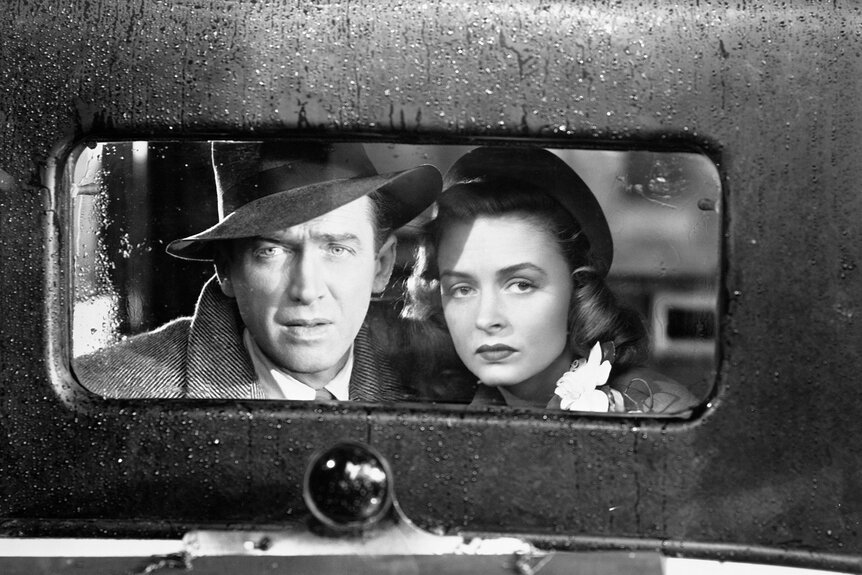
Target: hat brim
{"x":412,"y":191}
{"x":538,"y":167}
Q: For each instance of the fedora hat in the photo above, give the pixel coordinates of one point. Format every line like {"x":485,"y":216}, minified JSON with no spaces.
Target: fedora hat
{"x":539,"y":168}
{"x":263,"y":187}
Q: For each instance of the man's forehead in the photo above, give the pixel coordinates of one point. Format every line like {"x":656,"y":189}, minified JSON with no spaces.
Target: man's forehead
{"x":354,"y":218}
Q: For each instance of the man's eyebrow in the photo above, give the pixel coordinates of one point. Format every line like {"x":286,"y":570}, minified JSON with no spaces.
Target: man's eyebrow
{"x":336,"y":238}
{"x":272,"y":240}
{"x":324,"y":237}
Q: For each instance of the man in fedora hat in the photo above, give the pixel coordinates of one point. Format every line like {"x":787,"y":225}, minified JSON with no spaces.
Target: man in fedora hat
{"x":305,"y":236}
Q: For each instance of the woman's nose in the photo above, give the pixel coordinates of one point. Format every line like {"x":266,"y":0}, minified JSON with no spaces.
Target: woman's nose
{"x":305,"y":279}
{"x":490,"y":317}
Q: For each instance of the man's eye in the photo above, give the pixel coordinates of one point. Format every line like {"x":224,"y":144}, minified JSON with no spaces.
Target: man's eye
{"x":338,"y":250}
{"x":268,"y":252}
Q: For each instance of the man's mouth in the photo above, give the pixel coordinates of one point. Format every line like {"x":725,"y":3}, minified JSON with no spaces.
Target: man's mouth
{"x":306,"y":328}
{"x":306,"y":322}
{"x":494,"y":353}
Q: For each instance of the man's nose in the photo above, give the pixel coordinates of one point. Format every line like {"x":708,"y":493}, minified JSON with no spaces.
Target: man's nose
{"x":490,"y":316}
{"x":305,"y":279}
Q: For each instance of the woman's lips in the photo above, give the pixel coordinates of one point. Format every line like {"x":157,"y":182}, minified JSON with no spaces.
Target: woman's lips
{"x":494,"y":353}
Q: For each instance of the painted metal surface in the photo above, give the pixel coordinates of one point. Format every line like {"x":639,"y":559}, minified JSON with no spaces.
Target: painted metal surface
{"x":767,"y":89}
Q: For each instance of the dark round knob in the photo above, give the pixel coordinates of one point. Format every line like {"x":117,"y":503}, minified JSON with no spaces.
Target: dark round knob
{"x":348,"y":486}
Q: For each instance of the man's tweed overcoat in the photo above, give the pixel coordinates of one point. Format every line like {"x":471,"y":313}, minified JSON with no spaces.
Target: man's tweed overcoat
{"x":203,"y":357}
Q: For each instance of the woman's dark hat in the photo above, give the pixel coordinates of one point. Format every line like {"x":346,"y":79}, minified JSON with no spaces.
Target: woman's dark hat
{"x":263,"y":187}
{"x":539,"y":168}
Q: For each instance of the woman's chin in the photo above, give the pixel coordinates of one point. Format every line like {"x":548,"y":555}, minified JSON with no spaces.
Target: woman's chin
{"x":497,"y":380}
{"x":497,"y":375}
{"x":498,"y":383}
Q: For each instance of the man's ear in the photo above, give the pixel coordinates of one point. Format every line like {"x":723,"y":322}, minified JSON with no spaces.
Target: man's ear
{"x":222,"y":270}
{"x":384,"y":263}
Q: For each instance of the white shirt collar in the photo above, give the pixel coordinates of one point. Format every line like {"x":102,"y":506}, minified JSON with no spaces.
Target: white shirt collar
{"x":278,"y":384}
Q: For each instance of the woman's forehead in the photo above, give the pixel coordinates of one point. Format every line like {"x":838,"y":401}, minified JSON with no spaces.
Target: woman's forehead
{"x":496,"y":242}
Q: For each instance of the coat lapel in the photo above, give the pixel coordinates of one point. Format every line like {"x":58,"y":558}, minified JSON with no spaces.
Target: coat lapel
{"x":373,"y":377}
{"x":218,"y":365}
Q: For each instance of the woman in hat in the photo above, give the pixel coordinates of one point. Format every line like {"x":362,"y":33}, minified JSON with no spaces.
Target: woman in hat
{"x":514,"y":264}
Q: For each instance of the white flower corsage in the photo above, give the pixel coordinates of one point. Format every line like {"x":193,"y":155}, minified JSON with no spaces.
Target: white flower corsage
{"x":577,"y":389}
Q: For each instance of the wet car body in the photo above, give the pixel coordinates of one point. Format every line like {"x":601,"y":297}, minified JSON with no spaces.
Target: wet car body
{"x":767,"y":470}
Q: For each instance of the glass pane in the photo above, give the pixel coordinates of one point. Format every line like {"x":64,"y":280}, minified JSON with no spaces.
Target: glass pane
{"x":507,"y":304}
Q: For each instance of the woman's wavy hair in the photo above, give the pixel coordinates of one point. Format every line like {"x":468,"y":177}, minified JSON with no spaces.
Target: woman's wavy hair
{"x":594,"y":312}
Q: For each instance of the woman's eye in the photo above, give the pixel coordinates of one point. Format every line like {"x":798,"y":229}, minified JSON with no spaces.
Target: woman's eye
{"x":521,"y":286}
{"x":460,"y":291}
